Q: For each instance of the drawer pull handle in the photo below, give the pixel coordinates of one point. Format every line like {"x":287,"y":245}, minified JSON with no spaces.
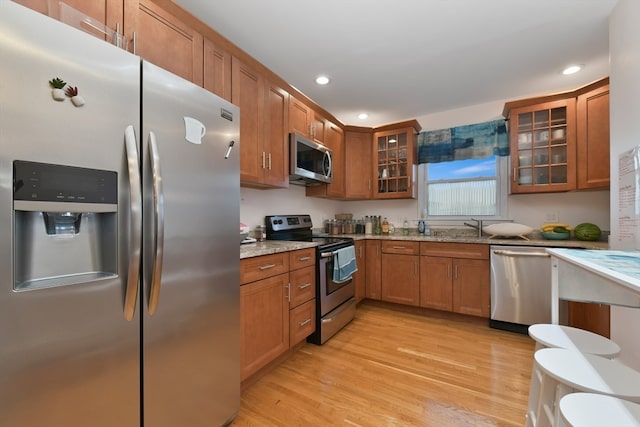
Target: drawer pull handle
{"x":304,"y":322}
{"x":306,"y":285}
{"x":399,"y":247}
{"x":266,"y":267}
{"x":304,"y":258}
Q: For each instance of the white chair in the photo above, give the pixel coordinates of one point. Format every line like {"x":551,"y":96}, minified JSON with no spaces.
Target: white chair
{"x":567,"y":371}
{"x":559,"y":336}
{"x":596,"y":410}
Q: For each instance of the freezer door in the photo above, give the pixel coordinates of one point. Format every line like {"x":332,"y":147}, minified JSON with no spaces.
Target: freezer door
{"x":191,"y":253}
{"x":69,"y":356}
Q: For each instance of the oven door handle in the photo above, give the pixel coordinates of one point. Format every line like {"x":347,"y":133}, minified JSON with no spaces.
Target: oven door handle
{"x":326,"y":254}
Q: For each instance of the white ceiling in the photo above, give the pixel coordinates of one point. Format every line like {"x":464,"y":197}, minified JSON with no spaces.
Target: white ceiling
{"x":402,"y":59}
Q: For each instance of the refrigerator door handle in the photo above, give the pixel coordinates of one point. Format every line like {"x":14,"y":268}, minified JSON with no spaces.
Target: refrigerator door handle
{"x":158,"y":214}
{"x":135,"y":191}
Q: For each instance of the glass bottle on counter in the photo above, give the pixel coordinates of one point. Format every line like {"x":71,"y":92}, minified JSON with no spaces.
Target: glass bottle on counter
{"x":405,"y":227}
{"x":368,"y":225}
{"x":377,"y":225}
{"x":385,"y":226}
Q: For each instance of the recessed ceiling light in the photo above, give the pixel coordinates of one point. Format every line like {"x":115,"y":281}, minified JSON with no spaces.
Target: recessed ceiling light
{"x":322,"y":80}
{"x":572,"y":69}
{"x":363,"y":116}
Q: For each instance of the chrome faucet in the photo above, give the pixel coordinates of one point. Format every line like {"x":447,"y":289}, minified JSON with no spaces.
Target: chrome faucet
{"x":476,"y":226}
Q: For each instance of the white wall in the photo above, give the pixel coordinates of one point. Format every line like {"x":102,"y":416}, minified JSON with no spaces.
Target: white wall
{"x":255,"y":204}
{"x":624,"y":45}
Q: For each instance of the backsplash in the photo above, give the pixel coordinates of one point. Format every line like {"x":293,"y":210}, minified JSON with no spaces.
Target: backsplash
{"x":529,"y":209}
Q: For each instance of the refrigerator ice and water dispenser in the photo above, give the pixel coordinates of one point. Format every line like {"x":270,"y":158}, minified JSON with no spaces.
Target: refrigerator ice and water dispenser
{"x":65,"y":225}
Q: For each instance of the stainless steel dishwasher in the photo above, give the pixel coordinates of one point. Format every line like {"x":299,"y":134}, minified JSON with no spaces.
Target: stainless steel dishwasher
{"x":520,"y":287}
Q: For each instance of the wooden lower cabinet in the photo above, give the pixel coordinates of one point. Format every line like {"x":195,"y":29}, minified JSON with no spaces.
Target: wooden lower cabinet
{"x":459,"y":282}
{"x":374,"y":262}
{"x":302,"y":295}
{"x":302,"y":322}
{"x":277,"y":306}
{"x":471,"y":287}
{"x":436,"y":284}
{"x":591,"y":317}
{"x":360,"y":277}
{"x":400,"y":272}
{"x":264,"y":322}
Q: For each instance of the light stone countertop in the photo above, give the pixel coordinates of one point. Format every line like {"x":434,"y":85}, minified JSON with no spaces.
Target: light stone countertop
{"x":275,"y":246}
{"x":515,"y":241}
{"x":269,"y":247}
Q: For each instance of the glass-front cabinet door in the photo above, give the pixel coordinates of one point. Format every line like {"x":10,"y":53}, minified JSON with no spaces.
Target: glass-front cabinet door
{"x":543,"y":147}
{"x":394,"y":157}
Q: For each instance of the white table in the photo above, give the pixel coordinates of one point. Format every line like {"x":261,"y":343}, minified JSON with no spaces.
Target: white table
{"x":599,"y":276}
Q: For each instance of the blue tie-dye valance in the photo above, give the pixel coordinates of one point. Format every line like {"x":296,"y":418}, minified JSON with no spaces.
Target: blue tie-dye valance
{"x":475,"y":141}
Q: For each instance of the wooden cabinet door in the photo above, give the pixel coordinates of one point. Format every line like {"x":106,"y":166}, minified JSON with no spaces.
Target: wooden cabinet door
{"x":164,"y":40}
{"x":359,"y":277}
{"x":302,"y":322}
{"x":264,"y":323}
{"x":217,"y":70}
{"x":319,"y":127}
{"x":276,"y":136}
{"x":373,"y":254}
{"x":400,"y":279}
{"x":436,"y":275}
{"x":394,"y":153}
{"x":335,"y":142}
{"x":248,"y":94}
{"x":543,"y":147}
{"x":592,"y":111}
{"x":357,"y":160}
{"x":302,"y":258}
{"x":299,"y":117}
{"x":591,"y":317}
{"x":302,"y":286}
{"x":471,"y":287}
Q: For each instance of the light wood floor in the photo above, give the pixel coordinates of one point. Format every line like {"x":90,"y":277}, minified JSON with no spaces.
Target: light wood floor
{"x":398,"y":367}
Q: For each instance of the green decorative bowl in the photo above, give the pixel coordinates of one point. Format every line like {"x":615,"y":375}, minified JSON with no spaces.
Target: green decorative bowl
{"x":555,"y":236}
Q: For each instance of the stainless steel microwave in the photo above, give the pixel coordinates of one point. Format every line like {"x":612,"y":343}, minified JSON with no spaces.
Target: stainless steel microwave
{"x":310,"y":161}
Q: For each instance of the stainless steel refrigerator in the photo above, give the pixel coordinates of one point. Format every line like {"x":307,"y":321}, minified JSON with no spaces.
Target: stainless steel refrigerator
{"x":119,"y":209}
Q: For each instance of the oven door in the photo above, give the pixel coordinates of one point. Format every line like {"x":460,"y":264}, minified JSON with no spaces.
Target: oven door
{"x":331,"y":293}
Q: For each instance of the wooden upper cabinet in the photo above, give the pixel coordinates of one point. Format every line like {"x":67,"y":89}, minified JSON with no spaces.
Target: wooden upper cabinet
{"x":307,"y":122}
{"x":164,"y":40}
{"x":276,"y":135}
{"x":299,"y":117}
{"x":592,"y":111}
{"x":248,"y":94}
{"x":560,"y":142}
{"x":334,"y":140}
{"x":543,"y":147}
{"x":358,"y":153}
{"x":394,"y":155}
{"x":217,"y":70}
{"x":264,"y":124}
